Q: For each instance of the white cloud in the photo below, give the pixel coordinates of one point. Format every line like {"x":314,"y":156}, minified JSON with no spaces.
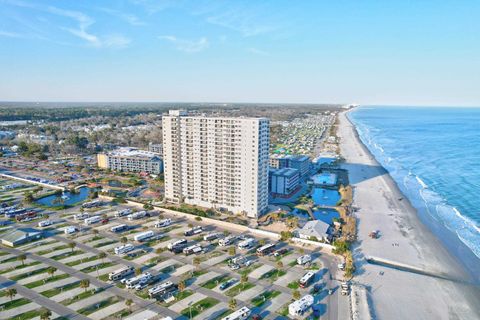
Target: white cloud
{"x":187,"y":45}
{"x":8,"y":34}
{"x":116,"y":41}
{"x":129,"y":18}
{"x":258,"y":52}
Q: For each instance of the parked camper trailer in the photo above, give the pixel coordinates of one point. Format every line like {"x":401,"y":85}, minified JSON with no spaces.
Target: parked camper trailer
{"x":163,"y":223}
{"x":144,"y":236}
{"x":193,"y":231}
{"x":240,"y":314}
{"x":92,"y":220}
{"x":124,"y":249}
{"x":247,"y":243}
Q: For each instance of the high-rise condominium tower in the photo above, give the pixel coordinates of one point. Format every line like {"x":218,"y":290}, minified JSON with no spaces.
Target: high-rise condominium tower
{"x":216,"y":162}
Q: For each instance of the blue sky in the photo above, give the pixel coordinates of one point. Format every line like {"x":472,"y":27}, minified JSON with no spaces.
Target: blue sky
{"x":368,"y":52}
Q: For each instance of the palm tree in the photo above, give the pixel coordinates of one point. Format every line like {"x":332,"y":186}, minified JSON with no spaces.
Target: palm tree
{"x":22,"y":258}
{"x":279,"y":266}
{"x":296,"y":294}
{"x":196,"y":262}
{"x":124,"y":240}
{"x":181,"y":286}
{"x":51,"y":271}
{"x":102,"y":255}
{"x":11,"y":293}
{"x":244,"y":280}
{"x":72,"y":245}
{"x":232,"y":251}
{"x":232,"y":304}
{"x":129,"y":303}
{"x":95,"y":231}
{"x":138,"y":271}
{"x":261,"y":242}
{"x":45,"y":314}
{"x":159,"y":250}
{"x":84,"y":284}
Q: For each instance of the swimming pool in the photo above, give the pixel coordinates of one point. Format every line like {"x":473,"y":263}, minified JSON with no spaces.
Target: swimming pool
{"x":326,"y":179}
{"x":325,"y":197}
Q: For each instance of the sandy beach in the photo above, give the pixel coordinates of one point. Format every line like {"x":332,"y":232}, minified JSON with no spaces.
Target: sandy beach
{"x":446,"y":293}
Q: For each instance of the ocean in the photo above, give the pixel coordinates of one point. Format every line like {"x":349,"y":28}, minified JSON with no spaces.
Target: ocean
{"x":433,"y":154}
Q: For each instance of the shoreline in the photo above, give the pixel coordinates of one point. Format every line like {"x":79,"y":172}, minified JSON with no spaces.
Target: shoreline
{"x":405,"y":240}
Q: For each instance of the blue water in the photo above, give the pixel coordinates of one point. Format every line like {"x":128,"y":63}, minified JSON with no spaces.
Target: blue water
{"x":433,"y":154}
{"x":325,"y":197}
{"x":326,"y":215}
{"x":328,"y":179}
{"x":71,"y":200}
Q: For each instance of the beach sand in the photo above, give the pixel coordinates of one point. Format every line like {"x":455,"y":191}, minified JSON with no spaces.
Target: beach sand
{"x":404,"y":239}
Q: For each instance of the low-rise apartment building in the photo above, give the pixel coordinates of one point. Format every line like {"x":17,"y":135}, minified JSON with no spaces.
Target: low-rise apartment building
{"x":131,"y":160}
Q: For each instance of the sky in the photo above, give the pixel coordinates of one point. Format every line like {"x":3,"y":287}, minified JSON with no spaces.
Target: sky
{"x":365,"y":52}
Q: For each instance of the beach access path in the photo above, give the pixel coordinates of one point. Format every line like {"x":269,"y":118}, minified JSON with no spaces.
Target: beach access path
{"x":405,"y":241}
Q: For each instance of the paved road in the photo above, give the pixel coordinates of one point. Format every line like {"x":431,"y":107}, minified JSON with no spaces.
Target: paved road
{"x":33,"y":296}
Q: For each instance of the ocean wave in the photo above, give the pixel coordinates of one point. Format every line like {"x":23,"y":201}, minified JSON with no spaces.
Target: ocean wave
{"x":421,"y":196}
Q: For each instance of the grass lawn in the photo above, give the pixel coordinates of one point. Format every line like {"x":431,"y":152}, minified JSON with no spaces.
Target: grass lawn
{"x":103,"y":244}
{"x":246,"y":271}
{"x":66,"y":254}
{"x":14,"y":303}
{"x":11,"y":259}
{"x":46,"y":280}
{"x":273,"y":275}
{"x":27,"y":315}
{"x":239,"y":288}
{"x":97,"y":306}
{"x":77,"y":262}
{"x":42,"y":252}
{"x":97,"y":266}
{"x":53,"y":292}
{"x":20,"y":266}
{"x":199,"y":307}
{"x":95,"y":238}
{"x":292,"y":263}
{"x":29,"y":274}
{"x":293,"y":285}
{"x":210,"y":284}
{"x":152,"y":243}
{"x":80,"y":296}
{"x":179,"y":296}
{"x":258,"y":301}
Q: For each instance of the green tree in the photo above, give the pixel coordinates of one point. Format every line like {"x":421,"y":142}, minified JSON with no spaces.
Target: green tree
{"x":232,"y":251}
{"x":296,"y":295}
{"x":22,"y":258}
{"x":138,"y":271}
{"x":102,"y":255}
{"x":243,"y":280}
{"x":181,"y":285}
{"x":45,"y":314}
{"x":84,"y":284}
{"x":11,"y":293}
{"x":124,"y":240}
{"x":279,"y":267}
{"x":72,"y":245}
{"x":129,"y":303}
{"x":196,"y":262}
{"x":51,"y":271}
{"x":232,"y":304}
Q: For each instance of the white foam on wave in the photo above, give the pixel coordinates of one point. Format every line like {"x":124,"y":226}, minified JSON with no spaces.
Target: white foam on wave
{"x":423,"y":184}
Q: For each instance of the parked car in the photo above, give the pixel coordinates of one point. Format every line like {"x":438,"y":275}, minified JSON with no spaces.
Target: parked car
{"x":280,"y":252}
{"x":227,"y":284}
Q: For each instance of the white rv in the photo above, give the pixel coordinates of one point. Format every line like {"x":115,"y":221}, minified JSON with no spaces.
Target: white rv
{"x":299,"y":307}
{"x":124,"y":249}
{"x":143,"y":236}
{"x":92,"y":220}
{"x":304,"y":259}
{"x":163,"y":223}
{"x":247,"y":243}
{"x":120,"y":273}
{"x":240,"y":314}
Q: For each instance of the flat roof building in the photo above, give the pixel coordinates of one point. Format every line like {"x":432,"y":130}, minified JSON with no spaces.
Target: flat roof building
{"x":128,"y":159}
{"x":283,"y":181}
{"x":299,"y":162}
{"x":216,"y":162}
{"x":156,"y":148}
{"x":20,"y":236}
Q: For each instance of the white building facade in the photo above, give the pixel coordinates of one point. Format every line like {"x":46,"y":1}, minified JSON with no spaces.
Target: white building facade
{"x":216,"y":162}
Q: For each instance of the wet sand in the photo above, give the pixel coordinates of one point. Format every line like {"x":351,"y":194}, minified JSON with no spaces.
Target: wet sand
{"x":404,"y":240}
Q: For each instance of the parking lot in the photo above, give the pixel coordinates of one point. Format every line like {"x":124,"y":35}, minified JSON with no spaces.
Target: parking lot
{"x":205,"y":282}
